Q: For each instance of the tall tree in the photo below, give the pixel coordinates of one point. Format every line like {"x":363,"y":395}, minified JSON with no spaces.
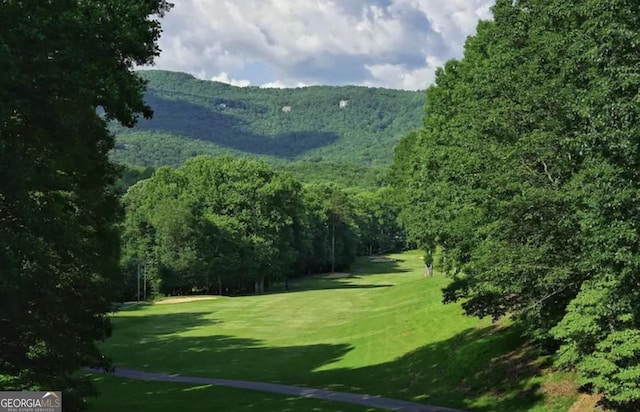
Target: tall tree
{"x":332,"y":228}
{"x":526,"y":174}
{"x":377,"y":220}
{"x":222,"y":220}
{"x":61,"y":61}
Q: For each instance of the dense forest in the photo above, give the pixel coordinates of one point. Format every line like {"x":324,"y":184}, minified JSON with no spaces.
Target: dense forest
{"x":526,"y":176}
{"x":347,"y":124}
{"x":344,"y":174}
{"x":228,"y":226}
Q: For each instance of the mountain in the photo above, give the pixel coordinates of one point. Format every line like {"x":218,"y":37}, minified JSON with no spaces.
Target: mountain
{"x":340,"y":125}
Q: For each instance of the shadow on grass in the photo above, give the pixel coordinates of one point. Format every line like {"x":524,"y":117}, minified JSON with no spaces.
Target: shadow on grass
{"x":364,"y":267}
{"x":154,"y":328}
{"x":132,"y":395}
{"x":372,"y":266}
{"x":478,"y":369}
{"x":302,"y":284}
{"x":318,"y":282}
{"x":157,"y":343}
{"x":326,"y":281}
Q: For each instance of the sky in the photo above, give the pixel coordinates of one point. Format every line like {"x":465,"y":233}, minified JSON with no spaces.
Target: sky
{"x":291,"y":43}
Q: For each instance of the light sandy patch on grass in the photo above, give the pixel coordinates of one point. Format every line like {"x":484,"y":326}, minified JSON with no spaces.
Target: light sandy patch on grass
{"x":587,"y":403}
{"x":184,"y":299}
{"x":562,"y":388}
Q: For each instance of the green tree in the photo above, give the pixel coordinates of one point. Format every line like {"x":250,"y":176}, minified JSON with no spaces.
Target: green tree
{"x":215,"y":222}
{"x":525,"y":173}
{"x":60,"y":62}
{"x":265,"y":202}
{"x":377,"y":221}
{"x":129,"y":176}
{"x":332,"y":228}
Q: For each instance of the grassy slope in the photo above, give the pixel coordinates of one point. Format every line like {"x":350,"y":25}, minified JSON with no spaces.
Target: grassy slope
{"x":383,"y":332}
{"x":129,"y":395}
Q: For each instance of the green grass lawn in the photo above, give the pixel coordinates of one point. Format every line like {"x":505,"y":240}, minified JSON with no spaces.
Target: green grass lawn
{"x":130,"y":395}
{"x":383,"y":331}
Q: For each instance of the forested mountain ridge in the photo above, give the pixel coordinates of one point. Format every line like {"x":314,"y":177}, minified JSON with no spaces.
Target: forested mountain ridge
{"x":347,"y":124}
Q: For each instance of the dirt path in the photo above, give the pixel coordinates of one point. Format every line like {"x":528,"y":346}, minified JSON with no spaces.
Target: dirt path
{"x":353,"y":398}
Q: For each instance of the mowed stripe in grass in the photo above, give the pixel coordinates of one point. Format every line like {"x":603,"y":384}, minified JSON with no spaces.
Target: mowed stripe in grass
{"x":383,"y":331}
{"x":142,"y":396}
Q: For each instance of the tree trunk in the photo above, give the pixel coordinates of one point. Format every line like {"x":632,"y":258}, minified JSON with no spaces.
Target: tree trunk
{"x":219,"y":286}
{"x":428,"y":269}
{"x":333,"y":248}
{"x":259,"y":285}
{"x":138,"y":282}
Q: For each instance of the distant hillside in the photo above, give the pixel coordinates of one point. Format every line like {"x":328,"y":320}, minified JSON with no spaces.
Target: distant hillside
{"x":350,"y":124}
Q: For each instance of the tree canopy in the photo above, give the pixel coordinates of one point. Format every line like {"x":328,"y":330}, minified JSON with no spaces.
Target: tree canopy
{"x":60,"y":62}
{"x":526,"y":174}
{"x":204,"y":117}
{"x":228,"y":226}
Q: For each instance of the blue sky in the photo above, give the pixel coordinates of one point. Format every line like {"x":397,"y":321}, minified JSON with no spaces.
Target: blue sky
{"x":287,"y":43}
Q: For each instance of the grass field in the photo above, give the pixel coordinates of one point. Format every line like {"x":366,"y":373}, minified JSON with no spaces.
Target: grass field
{"x":128,"y":395}
{"x":383,"y":331}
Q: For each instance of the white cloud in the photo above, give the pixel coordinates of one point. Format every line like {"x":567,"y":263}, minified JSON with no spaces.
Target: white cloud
{"x":455,"y":18}
{"x":397,"y":76}
{"x":279,"y":84}
{"x":290,"y":42}
{"x":223,"y":77}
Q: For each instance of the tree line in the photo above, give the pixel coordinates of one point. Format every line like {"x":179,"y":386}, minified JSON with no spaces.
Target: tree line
{"x":526,"y":175}
{"x":344,"y":174}
{"x":227,"y":226}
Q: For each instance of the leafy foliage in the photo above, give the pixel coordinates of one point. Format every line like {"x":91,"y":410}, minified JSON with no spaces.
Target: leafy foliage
{"x":224,"y":225}
{"x":525,"y":173}
{"x":129,"y":175}
{"x":344,"y":174}
{"x":216,"y":118}
{"x":377,"y":220}
{"x":58,"y":234}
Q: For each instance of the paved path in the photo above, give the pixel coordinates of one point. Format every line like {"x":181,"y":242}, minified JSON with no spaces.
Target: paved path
{"x":354,"y":398}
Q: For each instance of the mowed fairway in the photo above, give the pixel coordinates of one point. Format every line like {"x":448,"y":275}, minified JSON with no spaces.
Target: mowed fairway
{"x":383,"y":331}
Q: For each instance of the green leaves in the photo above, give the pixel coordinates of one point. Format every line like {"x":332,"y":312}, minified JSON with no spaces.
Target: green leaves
{"x":241,"y":224}
{"x":59,"y":246}
{"x":234,"y":220}
{"x":614,"y":368}
{"x":526,"y":175}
